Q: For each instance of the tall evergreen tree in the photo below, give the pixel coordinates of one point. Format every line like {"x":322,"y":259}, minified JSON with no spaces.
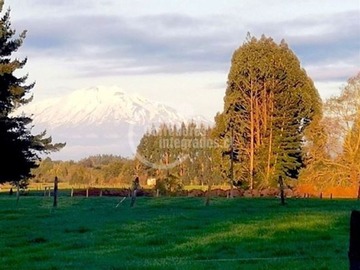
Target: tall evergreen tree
{"x":269,"y":103}
{"x":20,"y":149}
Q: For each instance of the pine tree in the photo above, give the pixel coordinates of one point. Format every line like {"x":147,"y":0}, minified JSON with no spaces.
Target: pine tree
{"x":20,"y":149}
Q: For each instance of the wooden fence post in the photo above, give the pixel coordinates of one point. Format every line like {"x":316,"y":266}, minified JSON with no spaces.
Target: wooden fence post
{"x":282,"y":193}
{"x":55,"y":191}
{"x":134,"y":187}
{"x":133,"y":198}
{"x":354,"y":247}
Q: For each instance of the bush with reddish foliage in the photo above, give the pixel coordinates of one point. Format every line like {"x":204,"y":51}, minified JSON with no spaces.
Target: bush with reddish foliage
{"x":195,"y":193}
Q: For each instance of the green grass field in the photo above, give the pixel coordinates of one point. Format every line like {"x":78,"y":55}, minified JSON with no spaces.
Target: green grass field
{"x":174,"y":233}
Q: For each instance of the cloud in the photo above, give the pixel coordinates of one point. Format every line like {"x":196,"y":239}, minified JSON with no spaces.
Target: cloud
{"x":320,"y":39}
{"x":332,"y":73}
{"x":106,"y":45}
{"x":129,"y":45}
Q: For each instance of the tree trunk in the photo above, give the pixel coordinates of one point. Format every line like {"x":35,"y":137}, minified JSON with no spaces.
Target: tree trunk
{"x":232,"y":163}
{"x":266,"y":102}
{"x":252,"y":137}
{"x":257,"y":124}
{"x":268,"y":166}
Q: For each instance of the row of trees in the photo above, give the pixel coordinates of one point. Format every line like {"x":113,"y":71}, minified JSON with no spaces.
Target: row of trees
{"x":183,"y":153}
{"x":103,"y":170}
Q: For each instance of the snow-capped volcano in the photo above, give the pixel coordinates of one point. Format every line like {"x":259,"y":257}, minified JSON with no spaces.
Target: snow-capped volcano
{"x":99,"y":120}
{"x":99,"y":105}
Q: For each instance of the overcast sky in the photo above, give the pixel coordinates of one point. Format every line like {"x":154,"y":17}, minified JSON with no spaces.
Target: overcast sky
{"x":178,"y":52}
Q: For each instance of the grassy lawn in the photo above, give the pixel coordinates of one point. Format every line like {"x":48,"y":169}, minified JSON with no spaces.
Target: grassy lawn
{"x":174,"y":233}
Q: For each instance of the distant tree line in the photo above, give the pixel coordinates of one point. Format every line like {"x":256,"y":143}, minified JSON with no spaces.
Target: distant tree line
{"x":179,"y":152}
{"x":97,"y":170}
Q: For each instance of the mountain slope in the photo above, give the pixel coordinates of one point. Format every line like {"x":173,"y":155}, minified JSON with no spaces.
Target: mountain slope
{"x":99,"y":120}
{"x":98,"y":105}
